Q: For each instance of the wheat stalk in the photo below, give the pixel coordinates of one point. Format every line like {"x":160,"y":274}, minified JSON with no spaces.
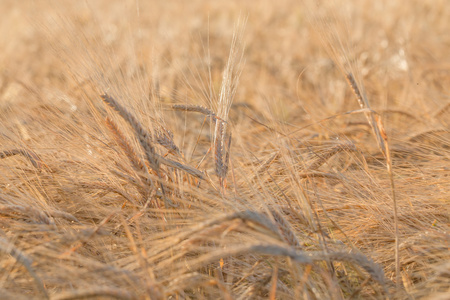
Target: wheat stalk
{"x":338,"y":50}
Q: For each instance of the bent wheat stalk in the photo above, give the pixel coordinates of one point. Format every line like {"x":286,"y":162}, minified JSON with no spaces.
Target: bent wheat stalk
{"x":338,"y":48}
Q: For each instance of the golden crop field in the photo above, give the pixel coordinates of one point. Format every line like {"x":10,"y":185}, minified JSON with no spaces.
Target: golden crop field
{"x":225,"y":149}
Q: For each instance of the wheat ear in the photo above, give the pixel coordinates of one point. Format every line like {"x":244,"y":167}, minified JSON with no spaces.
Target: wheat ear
{"x":164,"y":137}
{"x":364,"y":103}
{"x":134,"y":159}
{"x":144,"y":137}
{"x":303,"y":257}
{"x":145,"y":140}
{"x":174,"y":164}
{"x":221,"y":152}
{"x":333,"y":151}
{"x":285,"y":228}
{"x":32,"y":157}
{"x":194,"y":108}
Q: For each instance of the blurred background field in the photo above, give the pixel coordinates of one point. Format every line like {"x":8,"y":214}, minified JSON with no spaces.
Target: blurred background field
{"x":301,"y":209}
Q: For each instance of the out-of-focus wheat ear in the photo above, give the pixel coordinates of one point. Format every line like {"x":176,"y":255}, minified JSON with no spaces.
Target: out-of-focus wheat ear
{"x":333,"y":151}
{"x":144,"y":137}
{"x":188,"y":169}
{"x":21,"y":258}
{"x":286,"y":229}
{"x":108,"y":188}
{"x":131,"y":154}
{"x":28,"y":211}
{"x":266,"y":164}
{"x":192,"y":280}
{"x":417,"y":137}
{"x":194,"y":108}
{"x":30,"y":155}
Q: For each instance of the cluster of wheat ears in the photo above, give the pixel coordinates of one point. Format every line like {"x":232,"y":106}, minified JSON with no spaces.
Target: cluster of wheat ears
{"x":141,"y":159}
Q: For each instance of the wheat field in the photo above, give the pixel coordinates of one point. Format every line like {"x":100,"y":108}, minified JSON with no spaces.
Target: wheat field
{"x":224,"y":149}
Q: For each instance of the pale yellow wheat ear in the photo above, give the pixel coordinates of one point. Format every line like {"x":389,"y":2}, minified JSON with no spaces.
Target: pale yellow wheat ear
{"x":230,"y":80}
{"x":335,"y":34}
